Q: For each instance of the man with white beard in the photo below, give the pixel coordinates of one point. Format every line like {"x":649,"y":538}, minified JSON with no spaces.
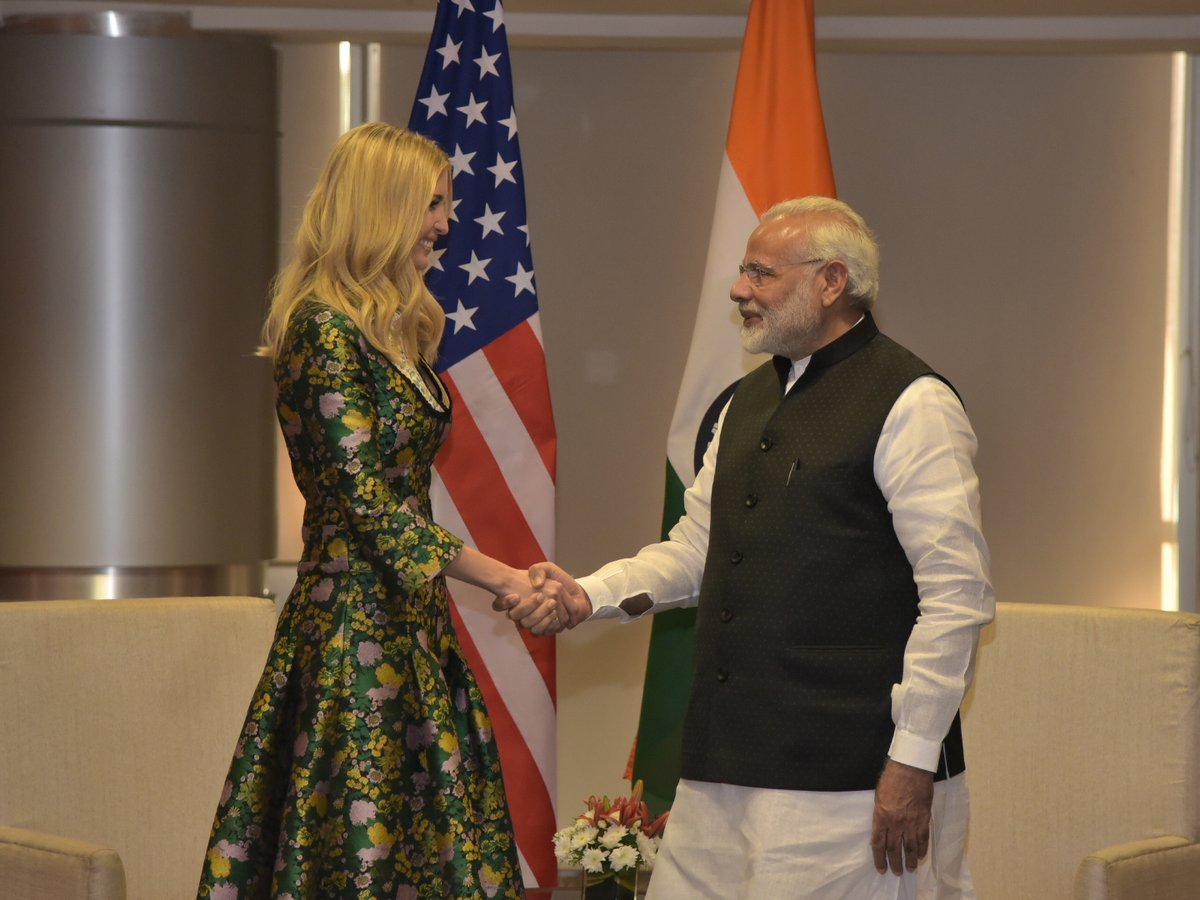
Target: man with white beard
{"x":832,"y":542}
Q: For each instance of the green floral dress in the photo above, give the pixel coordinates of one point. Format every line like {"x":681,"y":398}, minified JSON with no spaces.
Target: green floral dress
{"x":367,"y":767}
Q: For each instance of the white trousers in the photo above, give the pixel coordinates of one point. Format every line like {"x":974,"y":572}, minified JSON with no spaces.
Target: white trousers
{"x":728,"y":842}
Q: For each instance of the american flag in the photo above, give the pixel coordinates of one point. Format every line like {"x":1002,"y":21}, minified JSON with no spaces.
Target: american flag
{"x":494,"y":478}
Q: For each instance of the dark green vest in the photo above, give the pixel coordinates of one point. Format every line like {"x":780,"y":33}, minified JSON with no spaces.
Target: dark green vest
{"x":807,"y":600}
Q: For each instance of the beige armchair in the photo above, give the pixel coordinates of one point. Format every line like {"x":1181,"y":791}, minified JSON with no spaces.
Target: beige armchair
{"x":1083,"y":753}
{"x":117,"y":722}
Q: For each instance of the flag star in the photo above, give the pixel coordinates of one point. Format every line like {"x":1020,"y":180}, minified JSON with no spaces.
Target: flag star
{"x":462,"y":316}
{"x":497,"y":16}
{"x":461,"y":162}
{"x":503,"y":170}
{"x":435,"y":102}
{"x":463,"y":4}
{"x":474,"y":110}
{"x":449,"y":52}
{"x":522,"y":280}
{"x":454,"y":206}
{"x":476,"y":268}
{"x":490,"y":221}
{"x":487,"y":64}
{"x":436,"y":261}
{"x":511,"y":123}
{"x":524,"y":228}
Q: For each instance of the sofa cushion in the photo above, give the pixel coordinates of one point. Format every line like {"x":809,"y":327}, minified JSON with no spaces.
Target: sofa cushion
{"x":36,"y":866}
{"x":120,"y":720}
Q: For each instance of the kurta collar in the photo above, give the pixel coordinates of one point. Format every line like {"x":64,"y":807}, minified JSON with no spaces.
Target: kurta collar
{"x":832,"y":353}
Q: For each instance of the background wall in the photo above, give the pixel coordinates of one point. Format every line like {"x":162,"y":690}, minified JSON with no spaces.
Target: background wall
{"x":1021,"y":203}
{"x":1021,"y":206}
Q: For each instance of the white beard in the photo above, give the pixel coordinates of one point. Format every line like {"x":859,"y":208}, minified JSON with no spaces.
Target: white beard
{"x":784,"y":328}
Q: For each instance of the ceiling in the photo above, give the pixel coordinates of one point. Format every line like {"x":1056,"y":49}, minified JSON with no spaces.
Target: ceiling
{"x":894,"y":25}
{"x":894,"y":8}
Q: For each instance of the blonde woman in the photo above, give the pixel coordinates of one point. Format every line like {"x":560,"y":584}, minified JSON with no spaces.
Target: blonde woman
{"x":367,"y":767}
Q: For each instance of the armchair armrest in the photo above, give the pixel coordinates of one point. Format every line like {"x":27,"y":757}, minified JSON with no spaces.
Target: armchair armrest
{"x":38,"y":866}
{"x":1163,"y":868}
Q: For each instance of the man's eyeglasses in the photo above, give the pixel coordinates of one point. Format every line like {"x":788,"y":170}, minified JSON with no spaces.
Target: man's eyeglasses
{"x":758,"y":273}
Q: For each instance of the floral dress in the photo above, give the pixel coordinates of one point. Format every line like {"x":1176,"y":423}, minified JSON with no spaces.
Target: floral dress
{"x":367,"y":767}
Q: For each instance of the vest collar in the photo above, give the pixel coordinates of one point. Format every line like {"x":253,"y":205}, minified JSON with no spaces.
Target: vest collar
{"x":832,"y":353}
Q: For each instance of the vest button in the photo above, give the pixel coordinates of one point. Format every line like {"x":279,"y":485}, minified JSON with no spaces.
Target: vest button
{"x":735,"y":557}
{"x":765,"y":444}
{"x":751,"y":501}
{"x":726,"y":615}
{"x":722,"y":675}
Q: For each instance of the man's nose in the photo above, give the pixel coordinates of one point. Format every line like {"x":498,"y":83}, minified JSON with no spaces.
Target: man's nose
{"x":740,"y":291}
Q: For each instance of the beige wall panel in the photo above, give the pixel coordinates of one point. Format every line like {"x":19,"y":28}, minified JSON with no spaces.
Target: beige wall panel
{"x":308,"y":126}
{"x":1021,"y":204}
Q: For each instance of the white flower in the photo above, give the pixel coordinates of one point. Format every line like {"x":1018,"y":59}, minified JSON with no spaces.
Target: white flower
{"x":608,"y":837}
{"x":584,"y":835}
{"x":624,"y":857}
{"x":613,"y":835}
{"x":649,"y":850}
{"x":594,"y":859}
{"x":562,"y":846}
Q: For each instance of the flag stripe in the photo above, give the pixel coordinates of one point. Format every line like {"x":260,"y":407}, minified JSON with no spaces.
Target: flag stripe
{"x":523,"y":690}
{"x":531,"y":806}
{"x":474,"y":482}
{"x":716,"y":358}
{"x":513,"y":356}
{"x":481,"y":397}
{"x":795,"y":160}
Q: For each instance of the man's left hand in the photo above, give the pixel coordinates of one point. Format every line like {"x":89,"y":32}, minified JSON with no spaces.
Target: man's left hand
{"x":900,"y":828}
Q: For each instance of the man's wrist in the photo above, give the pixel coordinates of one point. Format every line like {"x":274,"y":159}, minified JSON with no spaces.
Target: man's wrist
{"x":905,"y":767}
{"x":915,"y":750}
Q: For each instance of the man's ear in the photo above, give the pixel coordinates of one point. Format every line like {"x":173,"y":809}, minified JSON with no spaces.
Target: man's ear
{"x":835,"y":278}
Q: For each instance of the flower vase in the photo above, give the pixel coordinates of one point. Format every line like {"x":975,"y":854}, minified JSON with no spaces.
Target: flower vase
{"x":609,"y":885}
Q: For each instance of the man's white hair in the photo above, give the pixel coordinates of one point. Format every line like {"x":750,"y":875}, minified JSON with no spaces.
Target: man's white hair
{"x":835,"y":231}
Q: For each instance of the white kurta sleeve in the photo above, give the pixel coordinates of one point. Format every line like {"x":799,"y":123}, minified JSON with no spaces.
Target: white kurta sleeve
{"x":924,"y":465}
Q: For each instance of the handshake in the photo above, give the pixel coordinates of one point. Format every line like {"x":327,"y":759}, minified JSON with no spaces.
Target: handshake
{"x":551,"y":602}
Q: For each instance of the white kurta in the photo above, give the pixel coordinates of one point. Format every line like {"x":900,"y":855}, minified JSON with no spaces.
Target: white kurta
{"x":925,"y":471}
{"x":729,"y":842}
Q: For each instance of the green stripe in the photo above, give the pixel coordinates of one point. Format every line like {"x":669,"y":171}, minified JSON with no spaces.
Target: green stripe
{"x":668,"y":681}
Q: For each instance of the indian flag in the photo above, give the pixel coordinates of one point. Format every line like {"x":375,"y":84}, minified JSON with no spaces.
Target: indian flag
{"x":775,"y":150}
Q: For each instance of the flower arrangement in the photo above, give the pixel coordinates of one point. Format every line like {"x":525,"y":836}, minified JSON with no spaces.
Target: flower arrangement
{"x":612,"y":839}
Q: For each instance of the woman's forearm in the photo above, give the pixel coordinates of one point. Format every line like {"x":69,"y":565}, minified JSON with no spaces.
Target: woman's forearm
{"x":483,"y":571}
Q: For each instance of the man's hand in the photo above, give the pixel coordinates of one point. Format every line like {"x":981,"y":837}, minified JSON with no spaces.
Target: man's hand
{"x":900,"y":828}
{"x":574,"y":605}
{"x":556,"y":602}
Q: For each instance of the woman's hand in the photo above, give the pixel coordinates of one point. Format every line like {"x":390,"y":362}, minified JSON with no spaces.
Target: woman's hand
{"x":513,"y":590}
{"x":538,"y":604}
{"x":555,"y":601}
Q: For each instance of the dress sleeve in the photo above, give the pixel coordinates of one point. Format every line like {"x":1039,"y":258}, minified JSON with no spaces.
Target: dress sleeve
{"x":327,"y":394}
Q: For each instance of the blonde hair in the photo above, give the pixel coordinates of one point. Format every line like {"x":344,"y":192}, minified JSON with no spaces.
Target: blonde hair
{"x":353,"y":247}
